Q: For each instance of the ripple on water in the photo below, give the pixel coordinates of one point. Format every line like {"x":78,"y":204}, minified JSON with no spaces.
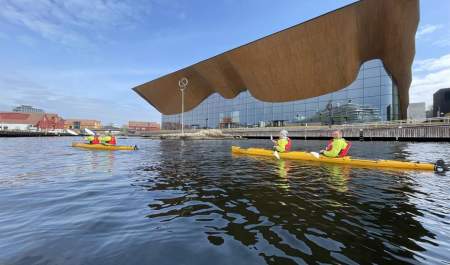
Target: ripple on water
{"x":192,"y":202}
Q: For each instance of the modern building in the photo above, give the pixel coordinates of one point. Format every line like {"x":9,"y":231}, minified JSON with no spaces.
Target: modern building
{"x":142,"y":126}
{"x":371,"y":97}
{"x":441,"y":102}
{"x":27,"y":108}
{"x":81,"y":124}
{"x":416,"y":111}
{"x":30,"y":121}
{"x":317,"y":61}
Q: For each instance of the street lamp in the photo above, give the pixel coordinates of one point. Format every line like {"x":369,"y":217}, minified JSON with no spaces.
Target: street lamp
{"x":183,"y":85}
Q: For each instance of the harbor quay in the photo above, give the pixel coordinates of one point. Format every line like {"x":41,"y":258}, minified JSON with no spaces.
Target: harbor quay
{"x":19,"y":133}
{"x":431,"y":130}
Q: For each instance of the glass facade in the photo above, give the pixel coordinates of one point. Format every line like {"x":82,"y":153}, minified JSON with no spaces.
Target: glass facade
{"x":371,"y":97}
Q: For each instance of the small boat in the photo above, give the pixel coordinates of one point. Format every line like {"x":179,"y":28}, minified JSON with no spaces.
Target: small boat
{"x":104,"y":146}
{"x":439,"y":166}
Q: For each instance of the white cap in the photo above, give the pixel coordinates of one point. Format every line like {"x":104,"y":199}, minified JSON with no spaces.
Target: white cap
{"x":284,"y":133}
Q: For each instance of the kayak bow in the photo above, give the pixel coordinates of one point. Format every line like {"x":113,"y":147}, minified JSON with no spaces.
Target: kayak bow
{"x":296,"y":155}
{"x":104,"y":147}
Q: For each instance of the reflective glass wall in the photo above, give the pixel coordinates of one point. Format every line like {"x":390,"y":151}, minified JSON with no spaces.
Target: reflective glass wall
{"x":371,"y":97}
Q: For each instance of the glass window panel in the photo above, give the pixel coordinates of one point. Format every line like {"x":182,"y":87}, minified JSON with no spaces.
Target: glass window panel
{"x":373,"y":72}
{"x":312,"y":106}
{"x":386,"y":81}
{"x":360,"y":75}
{"x":370,"y":82}
{"x":302,"y":101}
{"x":386,"y":100}
{"x":355,"y":93}
{"x":278,"y":116}
{"x":288,"y":116}
{"x":259,"y":116}
{"x":359,"y":101}
{"x":356,"y":84}
{"x":251,"y":120}
{"x":371,"y":91}
{"x":372,"y":64}
{"x":372,"y":101}
{"x":311,"y":100}
{"x":288,"y":107}
{"x":325,"y":97}
{"x":299,"y":107}
{"x":386,"y":90}
{"x":323,"y":105}
{"x":339,"y":102}
{"x":339,"y":95}
{"x":310,"y":114}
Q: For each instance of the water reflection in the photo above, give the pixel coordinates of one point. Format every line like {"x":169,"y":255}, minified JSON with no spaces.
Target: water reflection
{"x":286,"y":211}
{"x":192,"y":202}
{"x":100,"y":160}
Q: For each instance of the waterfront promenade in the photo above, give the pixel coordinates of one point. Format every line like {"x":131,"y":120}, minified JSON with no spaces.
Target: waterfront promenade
{"x":430,"y":130}
{"x":20,"y":133}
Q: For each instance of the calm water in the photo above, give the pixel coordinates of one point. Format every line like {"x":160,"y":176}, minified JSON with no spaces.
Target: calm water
{"x":194,"y":203}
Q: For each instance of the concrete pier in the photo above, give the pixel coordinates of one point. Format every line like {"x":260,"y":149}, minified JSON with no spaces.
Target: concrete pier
{"x":397,"y":131}
{"x":7,"y":133}
{"x":400,"y":133}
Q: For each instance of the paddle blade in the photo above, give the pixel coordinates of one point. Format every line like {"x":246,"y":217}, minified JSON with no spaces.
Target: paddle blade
{"x":89,"y":131}
{"x":316,"y":155}
{"x":276,"y":155}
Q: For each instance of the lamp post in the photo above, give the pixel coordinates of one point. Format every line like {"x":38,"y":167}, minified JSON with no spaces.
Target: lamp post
{"x":183,"y":85}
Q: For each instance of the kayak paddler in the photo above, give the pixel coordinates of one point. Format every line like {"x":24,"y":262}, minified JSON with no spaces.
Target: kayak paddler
{"x":337,"y":147}
{"x":92,"y":139}
{"x":108,"y":140}
{"x":89,"y":139}
{"x":283,"y":144}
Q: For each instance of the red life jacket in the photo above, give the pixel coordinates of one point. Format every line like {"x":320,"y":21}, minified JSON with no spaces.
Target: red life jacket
{"x":288,"y":147}
{"x":96,"y":140}
{"x":344,"y":151}
{"x":113,"y":140}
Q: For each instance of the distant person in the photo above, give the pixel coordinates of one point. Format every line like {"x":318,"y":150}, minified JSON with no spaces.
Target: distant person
{"x":92,"y":139}
{"x":89,"y":139}
{"x":337,"y":147}
{"x":283,"y":144}
{"x":108,"y":140}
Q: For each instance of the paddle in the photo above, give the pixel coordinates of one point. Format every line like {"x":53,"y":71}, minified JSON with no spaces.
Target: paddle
{"x":275,"y":153}
{"x":89,"y":131}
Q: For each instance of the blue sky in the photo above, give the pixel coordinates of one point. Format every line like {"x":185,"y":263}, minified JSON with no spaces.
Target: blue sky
{"x":80,"y":58}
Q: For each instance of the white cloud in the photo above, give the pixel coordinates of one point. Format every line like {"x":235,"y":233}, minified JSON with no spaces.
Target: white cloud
{"x":99,"y":95}
{"x":429,"y":76}
{"x":427,"y":29}
{"x":432,"y":64}
{"x":73,"y":22}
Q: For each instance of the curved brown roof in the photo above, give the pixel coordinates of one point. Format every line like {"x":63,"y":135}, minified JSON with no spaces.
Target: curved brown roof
{"x":316,"y":57}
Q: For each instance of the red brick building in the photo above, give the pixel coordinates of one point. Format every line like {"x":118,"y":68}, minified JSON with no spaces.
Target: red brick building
{"x":141,"y":126}
{"x":30,"y":121}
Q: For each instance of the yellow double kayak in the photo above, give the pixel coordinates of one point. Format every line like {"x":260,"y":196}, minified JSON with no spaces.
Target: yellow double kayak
{"x":295,"y":155}
{"x":104,"y":147}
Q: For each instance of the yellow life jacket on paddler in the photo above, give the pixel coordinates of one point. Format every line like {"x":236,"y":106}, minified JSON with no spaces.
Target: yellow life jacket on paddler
{"x":337,"y":148}
{"x":89,"y":138}
{"x":283,"y":145}
{"x":105,"y":139}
